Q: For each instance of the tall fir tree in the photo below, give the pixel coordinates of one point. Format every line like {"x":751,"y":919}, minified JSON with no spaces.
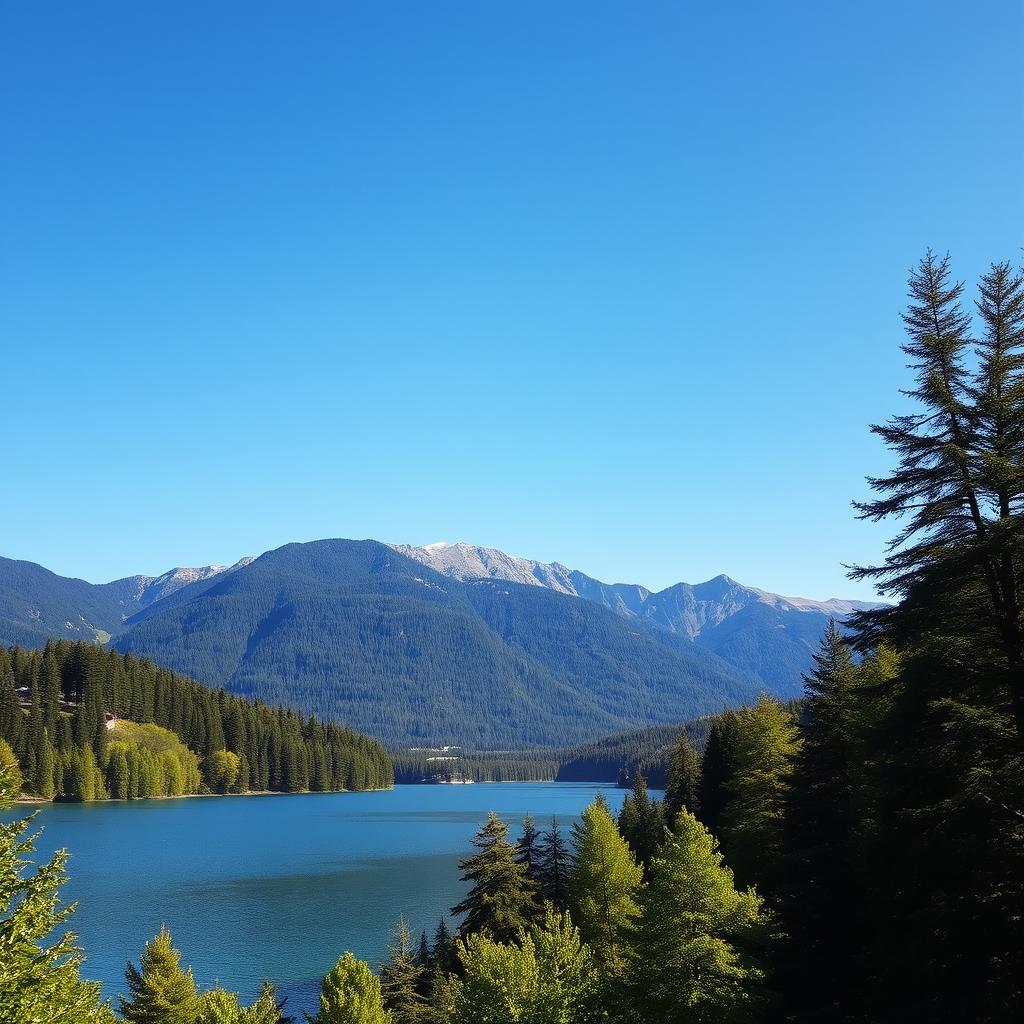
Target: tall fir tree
{"x":159,"y":991}
{"x":501,"y":897}
{"x":682,"y":790}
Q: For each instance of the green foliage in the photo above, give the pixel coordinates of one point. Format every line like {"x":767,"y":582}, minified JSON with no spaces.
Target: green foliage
{"x":165,"y":725}
{"x":159,"y":991}
{"x":548,"y":976}
{"x":39,"y":967}
{"x":552,"y":866}
{"x":501,"y":898}
{"x":401,"y":979}
{"x":642,"y":823}
{"x":681,"y":792}
{"x":689,"y":955}
{"x":766,"y":743}
{"x":351,"y":994}
{"x":603,"y":882}
{"x":10,"y":776}
{"x":353,"y":630}
{"x":221,"y":770}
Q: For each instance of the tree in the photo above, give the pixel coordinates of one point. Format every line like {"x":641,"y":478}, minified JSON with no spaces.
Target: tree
{"x":716,"y":770}
{"x":502,"y":897}
{"x":547,"y":977}
{"x":958,"y":484}
{"x":642,"y":823}
{"x":683,"y":779}
{"x":221,"y":770}
{"x":10,"y":776}
{"x":401,"y":979}
{"x":39,"y":974}
{"x":689,"y":955}
{"x":351,"y":995}
{"x":603,"y":882}
{"x":159,"y":991}
{"x":552,"y":865}
{"x":944,"y":733}
{"x":821,"y":887}
{"x":766,"y":743}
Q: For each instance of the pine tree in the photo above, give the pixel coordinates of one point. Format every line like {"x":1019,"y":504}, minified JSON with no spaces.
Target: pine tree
{"x":766,"y":744}
{"x":689,"y":955}
{"x":401,"y":979}
{"x":642,"y":823}
{"x":945,"y":735}
{"x":159,"y":991}
{"x":716,"y":770}
{"x":39,"y":973}
{"x":822,"y":889}
{"x":552,"y":865}
{"x":351,"y":995}
{"x":683,"y":780}
{"x":603,"y":882}
{"x":501,"y":897}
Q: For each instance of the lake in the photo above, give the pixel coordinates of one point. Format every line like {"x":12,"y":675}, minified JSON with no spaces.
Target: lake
{"x":277,"y":886}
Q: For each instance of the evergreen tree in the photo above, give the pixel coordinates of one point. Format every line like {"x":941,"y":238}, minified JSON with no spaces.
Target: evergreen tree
{"x":716,"y":770}
{"x":690,"y":952}
{"x":766,"y":743}
{"x":944,"y":735}
{"x":603,"y":882}
{"x":553,"y":865}
{"x":683,"y":780}
{"x":39,"y":973}
{"x":642,"y":823}
{"x":401,"y":979}
{"x":547,"y":977}
{"x":822,"y":889}
{"x":501,"y":896}
{"x":351,"y":995}
{"x":442,"y":955}
{"x":159,"y":991}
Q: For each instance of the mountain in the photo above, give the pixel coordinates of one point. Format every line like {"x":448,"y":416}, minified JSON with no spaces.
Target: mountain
{"x":36,"y":604}
{"x":768,"y":635}
{"x":449,"y":643}
{"x":358,"y":631}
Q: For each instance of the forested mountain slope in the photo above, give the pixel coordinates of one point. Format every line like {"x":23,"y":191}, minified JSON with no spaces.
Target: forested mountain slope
{"x":358,"y":631}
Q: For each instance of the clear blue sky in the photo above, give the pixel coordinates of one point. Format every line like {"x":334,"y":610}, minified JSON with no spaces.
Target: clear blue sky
{"x":611,"y":283}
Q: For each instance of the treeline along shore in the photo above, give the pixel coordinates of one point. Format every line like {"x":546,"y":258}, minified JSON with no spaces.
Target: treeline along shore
{"x":86,"y":723}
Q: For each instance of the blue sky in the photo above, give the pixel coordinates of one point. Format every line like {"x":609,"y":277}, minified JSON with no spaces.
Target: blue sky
{"x":614,"y":284}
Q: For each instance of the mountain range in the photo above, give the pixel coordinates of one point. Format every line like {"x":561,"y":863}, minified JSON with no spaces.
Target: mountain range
{"x":448,"y":643}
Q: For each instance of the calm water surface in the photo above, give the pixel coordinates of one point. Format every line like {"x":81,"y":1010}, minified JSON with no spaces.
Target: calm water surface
{"x":277,"y":887}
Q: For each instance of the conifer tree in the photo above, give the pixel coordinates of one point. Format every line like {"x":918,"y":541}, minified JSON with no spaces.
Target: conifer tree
{"x":689,"y":956}
{"x":683,"y":779}
{"x":159,"y":991}
{"x":642,"y":823}
{"x":553,"y":865}
{"x":751,"y":827}
{"x":603,"y":882}
{"x":501,"y":897}
{"x":401,"y":978}
{"x":821,"y":887}
{"x":716,"y":770}
{"x":548,"y":976}
{"x":351,"y":994}
{"x":39,"y":974}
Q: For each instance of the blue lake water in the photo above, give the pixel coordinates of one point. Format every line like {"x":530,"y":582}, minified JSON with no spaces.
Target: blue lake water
{"x":279,"y":886}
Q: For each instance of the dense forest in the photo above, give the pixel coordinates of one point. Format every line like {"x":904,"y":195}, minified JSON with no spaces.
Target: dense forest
{"x":857,"y":859}
{"x":88,"y":724}
{"x":355,"y":631}
{"x":617,"y":759}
